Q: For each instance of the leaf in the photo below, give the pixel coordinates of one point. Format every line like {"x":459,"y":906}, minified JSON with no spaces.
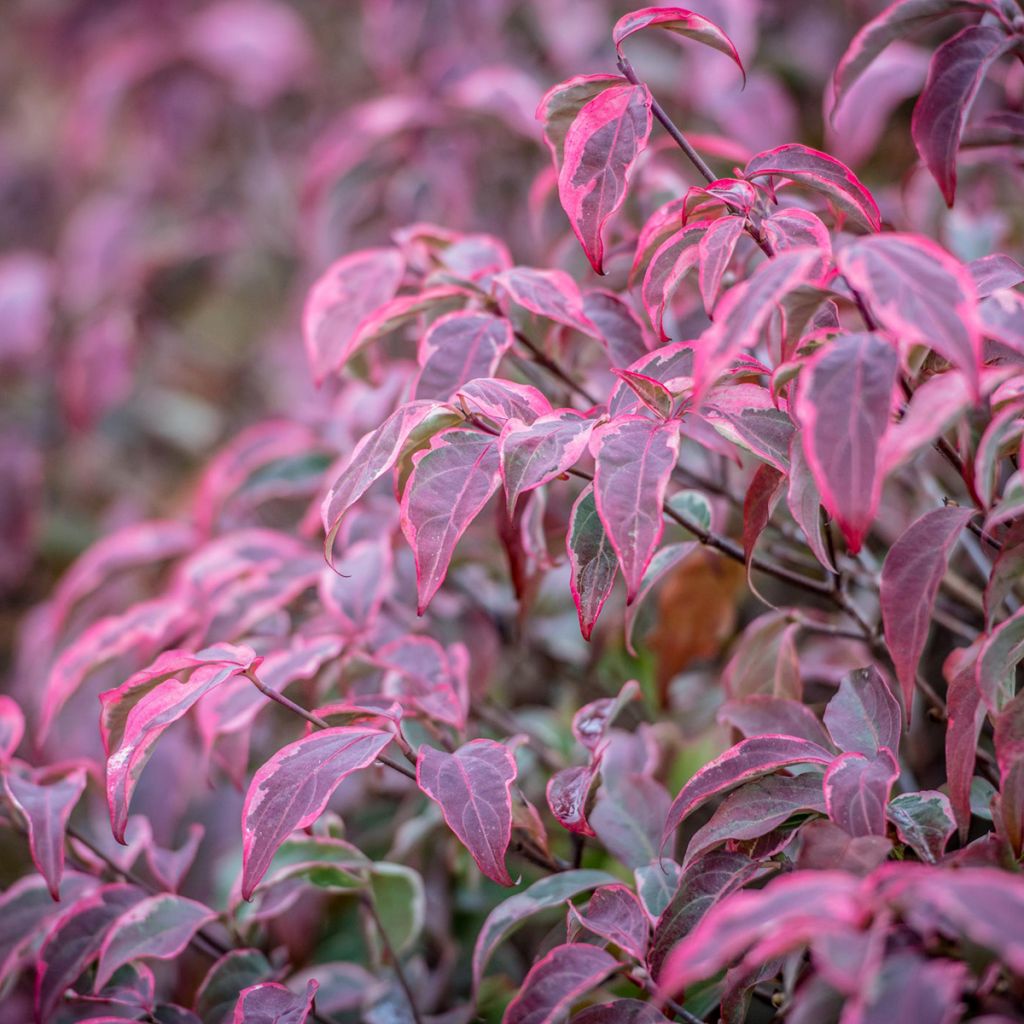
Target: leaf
{"x":744,"y":311}
{"x":761,"y":714}
{"x":536,"y":453}
{"x":629,"y":817}
{"x":762,"y":496}
{"x":995,"y":272}
{"x":864,"y":716}
{"x":292,"y":789}
{"x":620,"y":1011}
{"x":601,"y":147}
{"x":591,"y":723}
{"x":679,"y":21}
{"x":929,"y":991}
{"x":654,"y":395}
{"x":74,"y":939}
{"x":857,"y":790}
{"x":449,"y":486}
{"x":672,"y":260}
{"x":964,"y":716}
{"x":919,"y":293}
{"x":458,"y":348}
{"x":823,"y":173}
{"x":843,"y":407}
{"x":714,"y":252}
{"x":895,"y":22}
{"x":955,"y":74}
{"x":567,"y":793}
{"x":614,"y":913}
{"x":911,"y":575}
{"x":269,"y":1002}
{"x":135,"y":714}
{"x":159,"y":927}
{"x":562,"y":102}
{"x":924,"y":821}
{"x":552,"y":294}
{"x":756,"y":809}
{"x":12,"y":728}
{"x":170,"y":866}
{"x":346,"y":293}
{"x":747,"y":760}
{"x":236,"y":970}
{"x":364,"y":577}
{"x":501,"y":400}
{"x":544,"y":894}
{"x":793,"y":228}
{"x":374,"y":455}
{"x":403,"y":310}
{"x":554,"y":983}
{"x":634,"y":459}
{"x":473,"y":789}
{"x":399,"y":901}
{"x":1006,"y":571}
{"x":621,"y":331}
{"x":664,"y":561}
{"x":1001,"y":652}
{"x":706,"y":881}
{"x":46,"y":809}
{"x":804,"y":502}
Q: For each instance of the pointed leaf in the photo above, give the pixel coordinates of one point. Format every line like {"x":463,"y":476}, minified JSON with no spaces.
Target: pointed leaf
{"x":403,"y":310}
{"x":664,"y":561}
{"x":458,"y":348}
{"x":622,"y":332}
{"x":292,"y":789}
{"x":614,"y":913}
{"x":822,"y":173}
{"x":1001,"y":653}
{"x":864,"y":716}
{"x":269,"y":1002}
{"x":449,"y":486}
{"x":956,"y":72}
{"x":620,"y":1011}
{"x":544,"y":894}
{"x":236,"y":970}
{"x":12,"y":728}
{"x":804,"y":501}
{"x":857,"y":790}
{"x":501,"y":400}
{"x":348,"y":291}
{"x":159,"y":927}
{"x":911,"y":575}
{"x":552,"y":294}
{"x":747,"y":760}
{"x":473,"y":789}
{"x":924,"y":821}
{"x":634,"y":458}
{"x":629,"y":816}
{"x":554,"y":983}
{"x":671,"y":262}
{"x":591,"y":723}
{"x":561,"y":103}
{"x":761,"y":714}
{"x":843,"y":408}
{"x":46,"y":809}
{"x":591,"y":558}
{"x":568,"y":792}
{"x":534,"y":454}
{"x":679,"y":21}
{"x":714,"y":252}
{"x":919,"y":293}
{"x":400,"y":903}
{"x":965,"y":713}
{"x":601,"y":147}
{"x":651,"y":392}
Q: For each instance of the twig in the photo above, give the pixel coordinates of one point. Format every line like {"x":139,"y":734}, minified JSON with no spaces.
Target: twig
{"x":543,"y":359}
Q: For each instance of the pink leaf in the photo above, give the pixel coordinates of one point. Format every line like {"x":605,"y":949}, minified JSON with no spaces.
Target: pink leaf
{"x":672,"y":260}
{"x":994,"y":273}
{"x":458,"y":348}
{"x":552,"y":294}
{"x":46,"y":809}
{"x":170,"y":866}
{"x":348,"y":291}
{"x":501,"y":400}
{"x":864,"y":715}
{"x":554,"y":983}
{"x":756,"y":809}
{"x":761,"y":714}
{"x":911,"y":575}
{"x":634,"y":458}
{"x":744,"y":311}
{"x":804,"y":502}
{"x":919,"y":293}
{"x":12,"y":728}
{"x":592,"y":560}
{"x":292,"y":789}
{"x":822,"y":173}
{"x":956,"y":72}
{"x":965,"y":714}
{"x":629,"y":815}
{"x":562,"y":102}
{"x":236,"y":970}
{"x":652,"y":393}
{"x":159,"y":927}
{"x":762,"y":495}
{"x":568,"y":792}
{"x":271,"y":1003}
{"x":614,"y":913}
{"x":591,"y":723}
{"x":473,"y":789}
{"x":679,"y":21}
{"x":895,"y":22}
{"x":374,"y":455}
{"x":536,"y":453}
{"x":620,"y":1011}
{"x":601,"y":147}
{"x":857,"y":790}
{"x":364,"y":578}
{"x":422,"y":673}
{"x":74,"y":940}
{"x":747,"y":760}
{"x":843,"y":407}
{"x":924,"y":821}
{"x":622,"y":332}
{"x":403,"y":310}
{"x":793,"y":228}
{"x":449,"y":486}
{"x":135,"y":714}
{"x":714,"y":251}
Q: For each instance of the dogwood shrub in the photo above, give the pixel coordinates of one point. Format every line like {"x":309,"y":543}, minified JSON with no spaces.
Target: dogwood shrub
{"x":461,"y":643}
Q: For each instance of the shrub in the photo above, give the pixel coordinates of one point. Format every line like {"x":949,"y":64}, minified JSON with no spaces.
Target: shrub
{"x":787,"y":425}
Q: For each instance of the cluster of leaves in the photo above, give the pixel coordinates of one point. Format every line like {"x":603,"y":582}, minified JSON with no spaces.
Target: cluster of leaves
{"x":827,"y":403}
